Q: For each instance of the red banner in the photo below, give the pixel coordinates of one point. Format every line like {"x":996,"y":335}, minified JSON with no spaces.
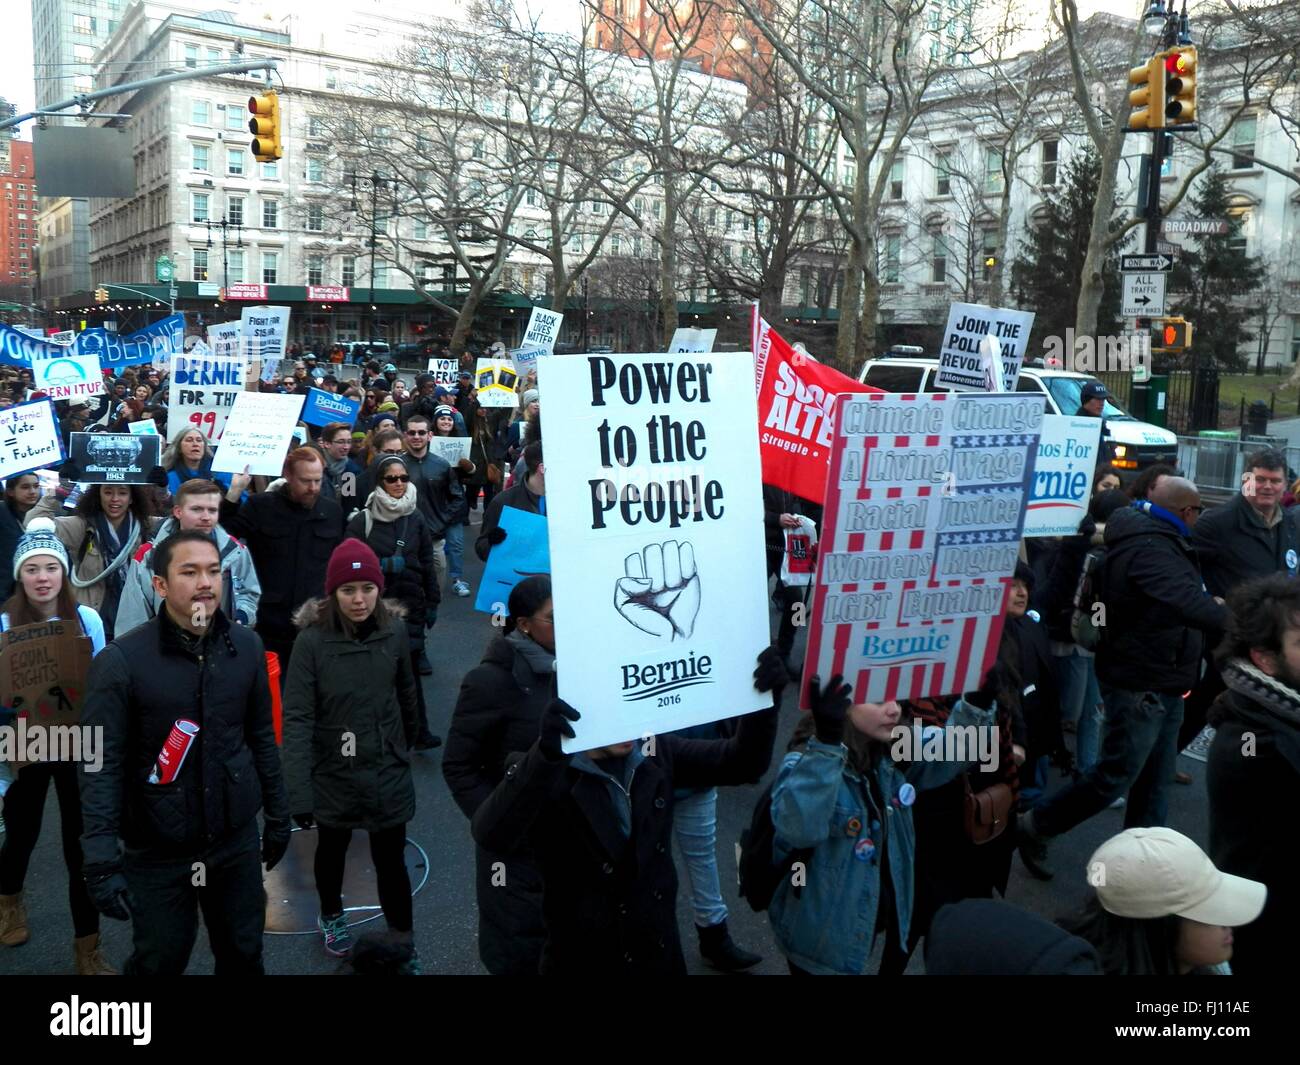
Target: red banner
{"x":796,"y":404}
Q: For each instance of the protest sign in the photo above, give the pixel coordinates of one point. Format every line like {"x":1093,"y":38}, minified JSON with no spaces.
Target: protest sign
{"x":258,"y":433}
{"x":202,"y":391}
{"x":692,"y":341}
{"x":495,"y":382}
{"x":114,"y":458}
{"x":543,"y":330}
{"x":525,"y":552}
{"x":960,"y":364}
{"x":223,"y":339}
{"x":324,"y":407}
{"x":270,"y":371}
{"x":452,"y":448}
{"x":524,"y":359}
{"x":113,"y":349}
{"x":29,"y":438}
{"x":924,"y":509}
{"x":144,"y":427}
{"x":657,"y":545}
{"x":68,"y":376}
{"x":796,"y":405}
{"x":264,"y":331}
{"x":444,"y":371}
{"x":1062,"y":488}
{"x":43,"y":669}
{"x":63,"y":336}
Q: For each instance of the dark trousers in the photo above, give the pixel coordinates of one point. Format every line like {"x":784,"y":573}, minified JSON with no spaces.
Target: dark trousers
{"x":1197,"y":705}
{"x":387,"y":851}
{"x":279,"y":641}
{"x":787,"y":599}
{"x":422,"y":710}
{"x":225,"y":881}
{"x":24,"y":809}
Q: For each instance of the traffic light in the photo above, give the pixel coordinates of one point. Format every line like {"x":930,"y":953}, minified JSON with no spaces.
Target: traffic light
{"x":101,"y":294}
{"x":1148,"y":99}
{"x":1180,"y":85}
{"x":1171,"y":334}
{"x":265,"y":126}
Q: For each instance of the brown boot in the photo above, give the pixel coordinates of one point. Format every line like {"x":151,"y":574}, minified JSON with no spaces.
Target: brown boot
{"x":90,"y":962}
{"x":13,"y":921}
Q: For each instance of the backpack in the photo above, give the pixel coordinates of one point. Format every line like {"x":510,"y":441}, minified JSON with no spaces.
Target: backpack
{"x":1084,"y":627}
{"x":760,"y":873}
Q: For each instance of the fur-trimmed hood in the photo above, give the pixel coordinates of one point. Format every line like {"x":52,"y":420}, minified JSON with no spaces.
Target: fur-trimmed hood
{"x":312,"y":612}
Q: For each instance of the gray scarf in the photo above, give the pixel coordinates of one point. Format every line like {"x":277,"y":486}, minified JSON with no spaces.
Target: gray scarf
{"x":1265,"y":703}
{"x":539,"y":659}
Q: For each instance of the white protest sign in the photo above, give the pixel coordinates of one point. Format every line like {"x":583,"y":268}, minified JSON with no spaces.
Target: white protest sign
{"x":202,"y":391}
{"x":144,"y":427}
{"x":445,"y":371}
{"x":525,"y":358}
{"x":687,"y":341}
{"x":924,"y":507}
{"x":452,"y":448}
{"x":543,"y":330}
{"x":495,"y":382}
{"x":270,"y":371}
{"x":264,"y":331}
{"x":258,"y":433}
{"x":655,"y":515}
{"x":1062,"y":489}
{"x":68,"y":377}
{"x":991,"y":364}
{"x":63,"y":336}
{"x":223,"y":338}
{"x":29,"y":437}
{"x":960,"y":366}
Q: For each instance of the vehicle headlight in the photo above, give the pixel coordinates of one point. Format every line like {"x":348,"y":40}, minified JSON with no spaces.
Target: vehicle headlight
{"x":1120,"y":451}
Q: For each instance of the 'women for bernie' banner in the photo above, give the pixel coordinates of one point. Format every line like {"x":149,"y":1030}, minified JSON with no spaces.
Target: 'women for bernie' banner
{"x":114,"y":350}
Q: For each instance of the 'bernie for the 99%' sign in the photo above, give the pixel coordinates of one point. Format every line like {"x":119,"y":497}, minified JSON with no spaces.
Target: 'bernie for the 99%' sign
{"x":655,"y":507}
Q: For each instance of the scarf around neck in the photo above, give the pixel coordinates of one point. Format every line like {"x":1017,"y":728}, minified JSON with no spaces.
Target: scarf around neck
{"x":539,"y":659}
{"x":383,"y":507}
{"x":1267,"y":702}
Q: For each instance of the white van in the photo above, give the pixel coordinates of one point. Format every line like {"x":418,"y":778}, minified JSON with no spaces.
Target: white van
{"x":1136,"y":445}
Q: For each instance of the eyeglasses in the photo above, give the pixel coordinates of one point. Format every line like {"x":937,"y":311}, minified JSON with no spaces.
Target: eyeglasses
{"x":417,"y":432}
{"x":544,"y":621}
{"x":1194,"y":506}
{"x":397,"y":479}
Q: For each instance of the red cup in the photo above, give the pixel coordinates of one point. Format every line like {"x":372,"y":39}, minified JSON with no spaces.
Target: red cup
{"x":172,"y":755}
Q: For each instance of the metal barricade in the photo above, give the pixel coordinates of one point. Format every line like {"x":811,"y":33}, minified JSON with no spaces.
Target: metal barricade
{"x":1218,"y":462}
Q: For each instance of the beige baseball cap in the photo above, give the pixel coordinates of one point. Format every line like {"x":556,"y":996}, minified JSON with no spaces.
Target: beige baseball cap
{"x":1155,"y":872}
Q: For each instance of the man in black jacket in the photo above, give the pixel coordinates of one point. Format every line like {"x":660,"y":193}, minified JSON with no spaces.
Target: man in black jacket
{"x":1157,"y":615}
{"x":528,"y":495}
{"x":189,"y":841}
{"x":291,"y":531}
{"x":1254,"y":767}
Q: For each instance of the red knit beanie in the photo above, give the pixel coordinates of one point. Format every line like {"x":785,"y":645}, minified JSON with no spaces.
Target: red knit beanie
{"x":352,"y":561}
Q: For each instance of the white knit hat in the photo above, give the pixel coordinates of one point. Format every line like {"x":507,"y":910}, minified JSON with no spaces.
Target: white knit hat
{"x":39,"y":538}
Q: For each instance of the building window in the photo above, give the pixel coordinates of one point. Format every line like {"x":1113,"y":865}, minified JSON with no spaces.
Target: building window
{"x":316,"y":270}
{"x":271,"y":171}
{"x":420,"y":229}
{"x":270,"y":214}
{"x":235,"y":210}
{"x":191,"y":56}
{"x":214,"y":56}
{"x":939,"y":258}
{"x":331,"y":78}
{"x":992,"y":170}
{"x":200,"y":113}
{"x":83,"y":53}
{"x":199,"y":206}
{"x":315,"y":220}
{"x":380,"y":277}
{"x":1243,"y":142}
{"x":897,"y":172}
{"x":989,"y":252}
{"x":943,"y":172}
{"x":315,"y":168}
{"x":270,"y":267}
{"x":235,"y":267}
{"x":315,"y":126}
{"x":200,"y":155}
{"x":892,"y":258}
{"x":236,"y":117}
{"x":235,"y":162}
{"x":348,"y":272}
{"x":1050,"y":151}
{"x":84,"y":25}
{"x":83,"y":83}
{"x":200,"y":264}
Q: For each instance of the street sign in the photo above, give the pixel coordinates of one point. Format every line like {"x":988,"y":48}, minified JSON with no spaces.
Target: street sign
{"x":173,"y":292}
{"x":1164,"y":247}
{"x":1136,"y":264}
{"x":1144,"y":295}
{"x":1206,"y":226}
{"x":164,"y":269}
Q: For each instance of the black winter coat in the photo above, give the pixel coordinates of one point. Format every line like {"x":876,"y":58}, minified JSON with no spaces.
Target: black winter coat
{"x":1040,"y":698}
{"x":777,"y":501}
{"x":291,"y":546}
{"x":11,"y":528}
{"x":416,"y":586}
{"x":611,"y":903}
{"x":1232,"y":548}
{"x":1158,"y":614}
{"x":337,"y":686}
{"x":517,"y":496}
{"x":139,"y":685}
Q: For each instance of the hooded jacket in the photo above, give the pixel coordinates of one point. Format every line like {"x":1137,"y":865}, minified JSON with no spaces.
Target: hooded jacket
{"x":240,"y":589}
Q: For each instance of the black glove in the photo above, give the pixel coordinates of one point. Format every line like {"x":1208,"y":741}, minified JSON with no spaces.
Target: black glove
{"x":555,"y":727}
{"x":830,"y":705}
{"x":1064,"y":761}
{"x":305,"y":820}
{"x":275,"y":841}
{"x":995,"y":680}
{"x":70,"y":471}
{"x":496,"y":536}
{"x":771,"y":674}
{"x":106,"y":886}
{"x":158,"y":476}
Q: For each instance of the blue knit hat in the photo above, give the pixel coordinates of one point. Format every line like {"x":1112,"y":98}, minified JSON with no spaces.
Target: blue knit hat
{"x":39,"y":538}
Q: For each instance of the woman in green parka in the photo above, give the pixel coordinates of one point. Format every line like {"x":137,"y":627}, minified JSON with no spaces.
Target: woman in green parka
{"x":350,"y":720}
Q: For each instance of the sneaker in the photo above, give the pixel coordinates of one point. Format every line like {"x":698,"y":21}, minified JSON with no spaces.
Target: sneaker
{"x":1033,"y":849}
{"x":460,"y":588}
{"x":1118,"y":804}
{"x":2,"y":824}
{"x":423,"y":665}
{"x":412,"y":966}
{"x":338,"y":940}
{"x":427,"y":741}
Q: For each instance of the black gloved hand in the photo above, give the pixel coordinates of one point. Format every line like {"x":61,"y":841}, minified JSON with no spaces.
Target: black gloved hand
{"x":158,"y":476}
{"x":496,"y":536}
{"x":830,"y":705}
{"x":995,"y":680}
{"x":1064,"y":761}
{"x":275,"y":841}
{"x":555,"y":727}
{"x":71,"y":471}
{"x":305,"y":820}
{"x":106,"y":886}
{"x":771,"y":674}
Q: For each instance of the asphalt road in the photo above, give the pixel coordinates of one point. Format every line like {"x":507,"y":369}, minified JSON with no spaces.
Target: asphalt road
{"x":445,"y":915}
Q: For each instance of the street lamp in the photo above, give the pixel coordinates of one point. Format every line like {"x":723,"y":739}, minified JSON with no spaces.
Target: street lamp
{"x":376,"y":183}
{"x":1153,"y":22}
{"x":225,"y":227}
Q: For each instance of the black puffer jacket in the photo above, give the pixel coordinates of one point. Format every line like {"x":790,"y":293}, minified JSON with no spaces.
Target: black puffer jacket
{"x":416,"y":586}
{"x":139,"y":686}
{"x":1232,"y":547}
{"x":291,"y":546}
{"x":1158,"y":613}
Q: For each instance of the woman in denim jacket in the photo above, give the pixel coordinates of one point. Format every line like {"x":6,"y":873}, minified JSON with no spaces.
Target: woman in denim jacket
{"x":840,"y":796}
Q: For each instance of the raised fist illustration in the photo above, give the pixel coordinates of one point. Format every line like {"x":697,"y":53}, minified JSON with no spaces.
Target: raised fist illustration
{"x":660,"y":593}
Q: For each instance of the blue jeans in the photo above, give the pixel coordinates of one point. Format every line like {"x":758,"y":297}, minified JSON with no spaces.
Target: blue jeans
{"x":695,"y":823}
{"x":1138,"y":752}
{"x":1080,"y":703}
{"x":455,"y":548}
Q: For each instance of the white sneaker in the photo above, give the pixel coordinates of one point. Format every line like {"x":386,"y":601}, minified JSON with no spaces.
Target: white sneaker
{"x":460,"y":588}
{"x":1118,"y":804}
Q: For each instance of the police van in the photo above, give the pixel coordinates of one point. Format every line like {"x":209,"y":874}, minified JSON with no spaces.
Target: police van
{"x":1134,"y":445}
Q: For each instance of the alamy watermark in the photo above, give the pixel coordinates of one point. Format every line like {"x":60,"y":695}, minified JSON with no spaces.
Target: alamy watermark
{"x":1102,"y":354}
{"x":24,"y":742}
{"x":953,"y":743}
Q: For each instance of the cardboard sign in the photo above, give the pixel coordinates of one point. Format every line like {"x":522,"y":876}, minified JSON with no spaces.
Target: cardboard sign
{"x":445,"y":372}
{"x":223,"y":339}
{"x":543,"y":330}
{"x":692,"y":341}
{"x":144,"y":427}
{"x":68,"y":376}
{"x":258,"y":433}
{"x":960,"y":364}
{"x":202,"y":391}
{"x":1062,"y":488}
{"x":114,"y":458}
{"x":452,"y":448}
{"x":323,"y":407}
{"x":525,"y":552}
{"x":657,"y":546}
{"x":796,"y":408}
{"x":924,"y":509}
{"x":264,"y":331}
{"x":43,"y":670}
{"x":495,"y":383}
{"x":29,"y":438}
